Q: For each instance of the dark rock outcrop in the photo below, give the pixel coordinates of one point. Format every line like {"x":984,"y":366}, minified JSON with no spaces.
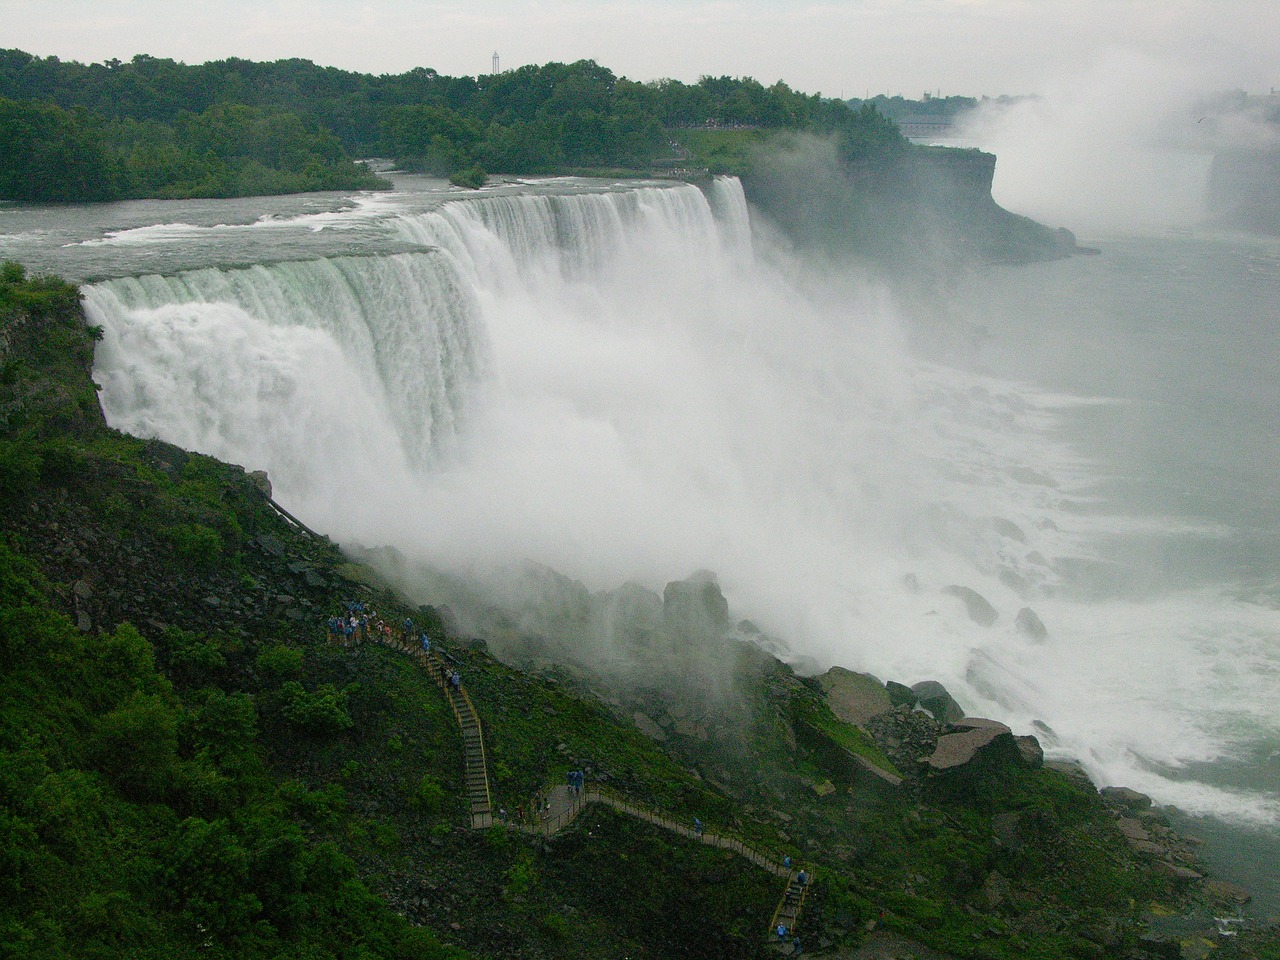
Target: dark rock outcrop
{"x":854,"y":697}
{"x":934,"y":697}
{"x":1030,"y":750}
{"x":985,"y":740}
{"x":1030,"y":625}
{"x":980,"y":610}
{"x":900,"y":694}
{"x":696,"y":603}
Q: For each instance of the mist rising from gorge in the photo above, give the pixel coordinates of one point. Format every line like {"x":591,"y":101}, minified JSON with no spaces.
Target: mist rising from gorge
{"x":1118,"y":145}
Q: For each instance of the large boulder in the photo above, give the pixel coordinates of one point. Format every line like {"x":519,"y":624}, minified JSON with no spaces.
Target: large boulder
{"x":696,"y":604}
{"x":980,"y":611}
{"x":900,"y":693}
{"x":934,"y":697}
{"x":987,"y":741}
{"x":260,"y":480}
{"x":646,"y":726}
{"x":1030,"y":625}
{"x":854,"y":697}
{"x":1031,"y":752}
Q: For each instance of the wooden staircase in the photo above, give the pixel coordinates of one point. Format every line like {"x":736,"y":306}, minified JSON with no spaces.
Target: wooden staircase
{"x":477,"y":766}
{"x":475,"y":762}
{"x":788,"y":912}
{"x":564,"y":805}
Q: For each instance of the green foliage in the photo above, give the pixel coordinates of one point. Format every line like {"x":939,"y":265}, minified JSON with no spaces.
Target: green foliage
{"x":50,"y":155}
{"x":234,"y":127}
{"x":189,"y":655}
{"x":723,"y":151}
{"x":194,"y":543}
{"x":429,"y":798}
{"x":473,"y":178}
{"x":280,"y":661}
{"x":136,"y":746}
{"x":318,"y":713}
{"x":19,"y":469}
{"x":555,"y":926}
{"x":21,"y":584}
{"x":872,"y":138}
{"x":520,"y":878}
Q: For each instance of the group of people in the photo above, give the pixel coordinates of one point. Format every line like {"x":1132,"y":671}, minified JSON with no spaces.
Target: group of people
{"x":577,"y":780}
{"x":354,"y":625}
{"x":357,"y":624}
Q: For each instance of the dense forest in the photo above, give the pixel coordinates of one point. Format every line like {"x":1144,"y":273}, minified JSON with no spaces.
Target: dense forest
{"x":155,"y":127}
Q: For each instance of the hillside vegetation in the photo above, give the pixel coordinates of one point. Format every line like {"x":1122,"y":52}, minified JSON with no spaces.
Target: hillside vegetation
{"x":153,"y":127}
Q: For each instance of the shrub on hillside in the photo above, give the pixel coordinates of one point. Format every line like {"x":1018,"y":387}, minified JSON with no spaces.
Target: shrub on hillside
{"x":319,"y":713}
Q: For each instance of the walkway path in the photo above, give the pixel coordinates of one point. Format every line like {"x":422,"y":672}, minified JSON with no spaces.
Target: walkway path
{"x":554,"y":809}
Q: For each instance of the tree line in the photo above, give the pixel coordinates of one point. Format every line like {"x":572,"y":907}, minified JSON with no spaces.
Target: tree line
{"x":157,"y":127}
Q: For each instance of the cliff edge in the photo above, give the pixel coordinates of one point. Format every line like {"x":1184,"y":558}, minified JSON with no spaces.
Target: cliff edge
{"x":929,"y":205}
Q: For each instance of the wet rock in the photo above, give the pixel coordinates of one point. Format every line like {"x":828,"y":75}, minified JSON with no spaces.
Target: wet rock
{"x":1177,"y":873}
{"x":934,"y":697}
{"x":695,"y":605}
{"x":1225,"y":892}
{"x":693,"y":731}
{"x":980,"y":611}
{"x":1159,"y":948}
{"x":992,"y":741}
{"x":1007,"y":528}
{"x":900,"y":693}
{"x":1030,"y":751}
{"x":995,"y":889}
{"x":260,"y":480}
{"x":270,"y":545}
{"x":1126,"y":798}
{"x":1006,"y":830}
{"x":1071,"y":770}
{"x":1132,"y":829}
{"x":1030,"y":625}
{"x":1015,"y":582}
{"x":854,"y":697}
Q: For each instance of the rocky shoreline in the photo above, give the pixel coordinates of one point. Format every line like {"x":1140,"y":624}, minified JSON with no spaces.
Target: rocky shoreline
{"x":928,"y":737}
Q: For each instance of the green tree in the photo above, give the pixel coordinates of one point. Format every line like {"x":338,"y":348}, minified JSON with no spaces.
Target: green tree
{"x":50,"y":155}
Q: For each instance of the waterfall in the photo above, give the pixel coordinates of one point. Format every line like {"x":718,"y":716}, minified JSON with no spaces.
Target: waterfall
{"x":307,"y":368}
{"x":631,"y":383}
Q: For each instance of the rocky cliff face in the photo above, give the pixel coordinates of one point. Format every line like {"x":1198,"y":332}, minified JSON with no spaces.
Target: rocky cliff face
{"x":932,"y":205}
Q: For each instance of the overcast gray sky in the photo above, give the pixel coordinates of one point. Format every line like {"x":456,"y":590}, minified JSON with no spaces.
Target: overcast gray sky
{"x":839,"y":47}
